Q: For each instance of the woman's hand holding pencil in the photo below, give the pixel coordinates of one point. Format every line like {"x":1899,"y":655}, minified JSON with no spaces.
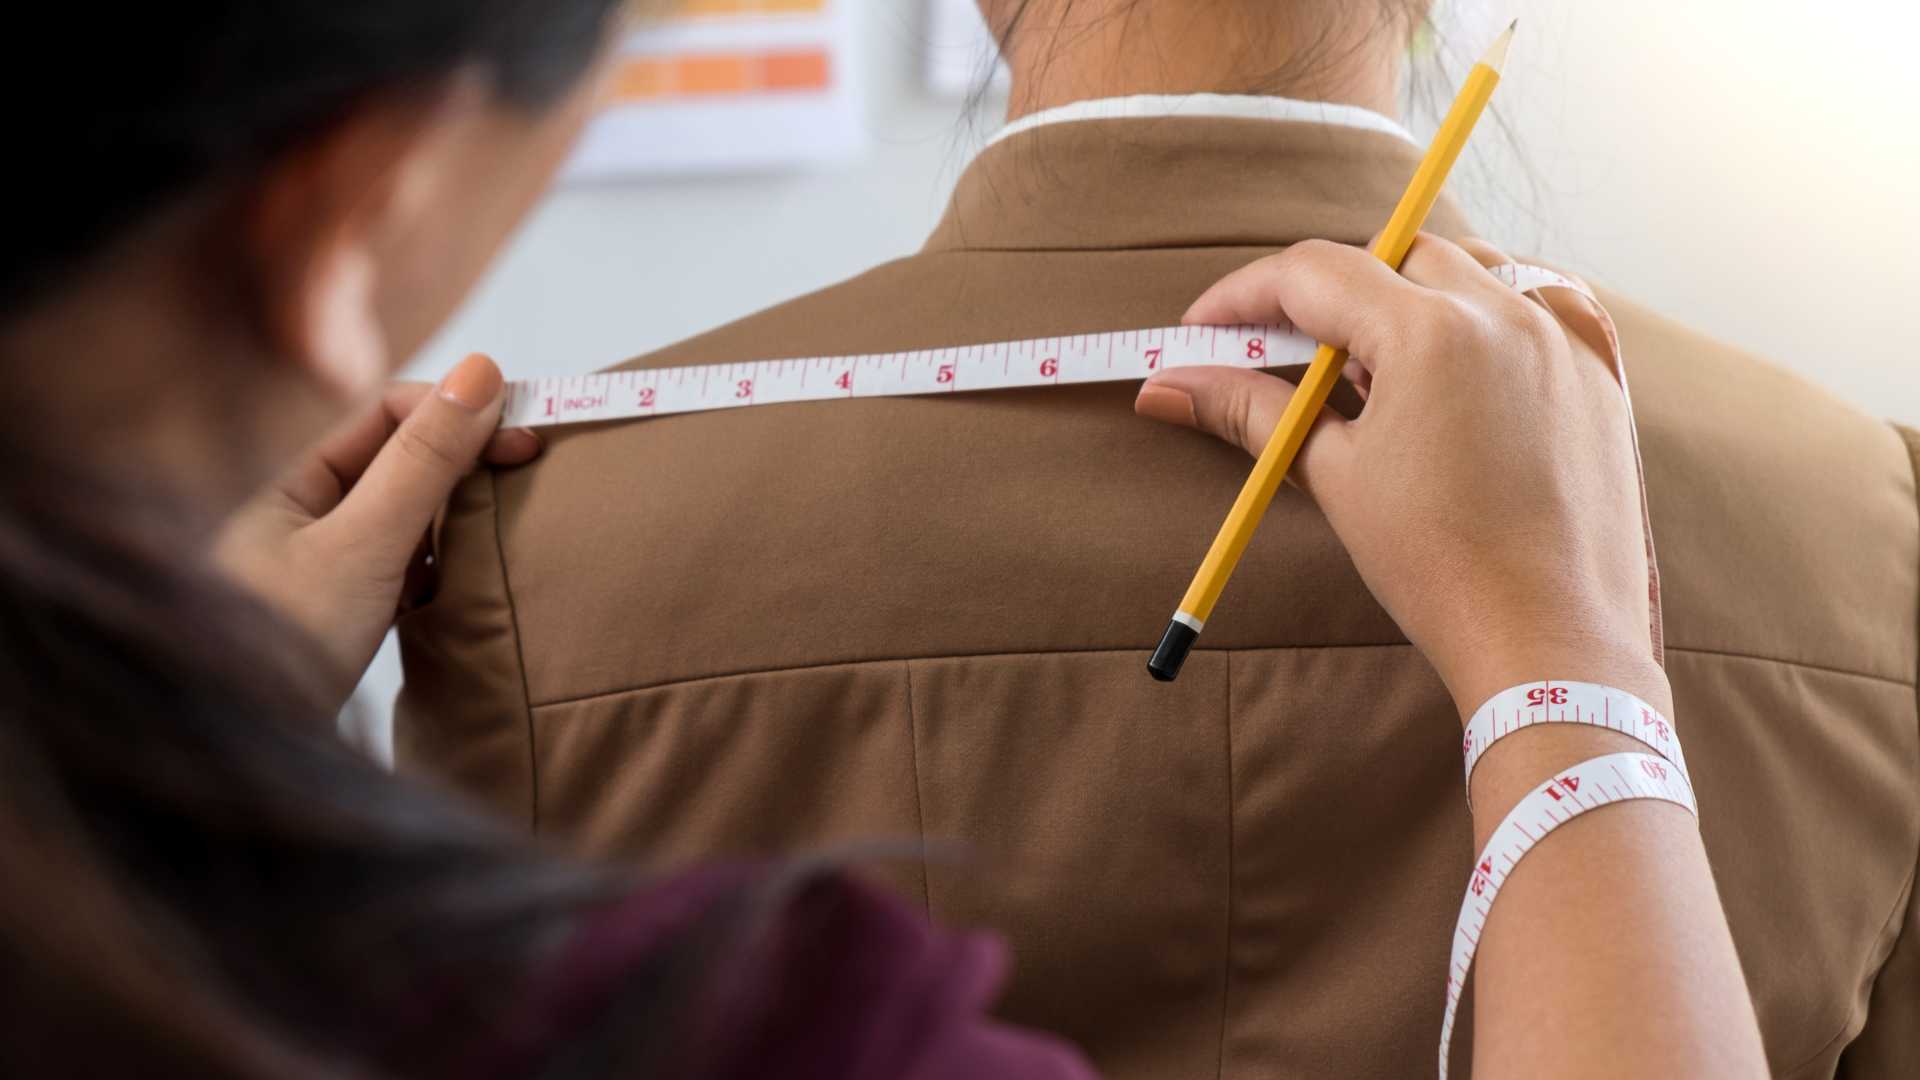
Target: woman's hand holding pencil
{"x":1489,"y":495}
{"x":1303,"y":409}
{"x":1498,"y":564}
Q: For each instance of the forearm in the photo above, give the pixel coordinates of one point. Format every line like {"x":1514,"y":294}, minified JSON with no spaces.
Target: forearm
{"x":1607,"y":952}
{"x":1491,"y":497}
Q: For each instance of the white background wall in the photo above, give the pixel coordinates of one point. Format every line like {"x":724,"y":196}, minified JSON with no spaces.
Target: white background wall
{"x":1747,"y":166}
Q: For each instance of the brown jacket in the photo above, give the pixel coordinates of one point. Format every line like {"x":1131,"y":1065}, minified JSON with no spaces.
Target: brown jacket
{"x":802,"y":625}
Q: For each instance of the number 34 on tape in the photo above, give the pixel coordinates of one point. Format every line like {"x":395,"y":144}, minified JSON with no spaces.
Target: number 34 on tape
{"x":1086,"y":358}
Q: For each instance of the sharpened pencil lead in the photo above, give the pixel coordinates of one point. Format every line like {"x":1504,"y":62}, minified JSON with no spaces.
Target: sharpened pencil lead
{"x":1496,"y":55}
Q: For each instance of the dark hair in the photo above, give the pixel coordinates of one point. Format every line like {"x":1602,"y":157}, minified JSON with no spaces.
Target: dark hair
{"x":159,"y":97}
{"x":1304,"y":64}
{"x":199,"y":877}
{"x":1497,"y":180}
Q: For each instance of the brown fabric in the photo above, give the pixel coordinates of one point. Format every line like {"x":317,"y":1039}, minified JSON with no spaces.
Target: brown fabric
{"x":1890,"y":1044}
{"x":784,"y":627}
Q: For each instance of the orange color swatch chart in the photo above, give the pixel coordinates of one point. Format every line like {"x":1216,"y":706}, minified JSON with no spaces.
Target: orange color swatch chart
{"x":728,"y":86}
{"x":752,"y":7}
{"x":656,"y":78}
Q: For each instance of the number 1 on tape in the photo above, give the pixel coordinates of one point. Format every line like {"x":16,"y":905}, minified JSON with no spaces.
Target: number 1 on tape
{"x":1086,"y":358}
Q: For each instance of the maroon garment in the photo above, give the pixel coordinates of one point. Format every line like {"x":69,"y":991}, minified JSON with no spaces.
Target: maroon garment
{"x":837,"y":980}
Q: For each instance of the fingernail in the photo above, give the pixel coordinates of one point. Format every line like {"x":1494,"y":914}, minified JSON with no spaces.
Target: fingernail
{"x":473,"y":383}
{"x":1166,"y":403}
{"x":528,"y":438}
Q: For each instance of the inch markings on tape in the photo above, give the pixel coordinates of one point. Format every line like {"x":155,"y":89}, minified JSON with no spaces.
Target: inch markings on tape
{"x":1565,"y":701}
{"x":1589,"y":785}
{"x":1056,"y":361}
{"x":1086,"y":358}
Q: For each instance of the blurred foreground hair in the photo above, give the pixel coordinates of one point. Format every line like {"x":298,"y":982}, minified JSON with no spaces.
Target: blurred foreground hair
{"x":200,"y":878}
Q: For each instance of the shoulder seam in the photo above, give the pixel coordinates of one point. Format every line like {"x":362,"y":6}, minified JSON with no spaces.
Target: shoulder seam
{"x":749,"y":672}
{"x":519,"y":659}
{"x":1903,"y":907}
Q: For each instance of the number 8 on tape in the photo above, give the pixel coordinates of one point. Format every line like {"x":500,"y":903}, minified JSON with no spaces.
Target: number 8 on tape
{"x":1087,"y":358}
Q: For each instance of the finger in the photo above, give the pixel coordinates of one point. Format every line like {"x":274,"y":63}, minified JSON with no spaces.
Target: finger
{"x":352,"y":446}
{"x":319,"y":480}
{"x":1340,"y":295}
{"x":1243,"y":408}
{"x":512,"y":446}
{"x":507,"y":447}
{"x":1484,"y":253}
{"x":1436,"y":263}
{"x":1489,"y":256}
{"x":1569,"y":306}
{"x":439,"y":442}
{"x":1579,"y":315}
{"x":1356,"y":373}
{"x":351,"y":449}
{"x":422,"y":579}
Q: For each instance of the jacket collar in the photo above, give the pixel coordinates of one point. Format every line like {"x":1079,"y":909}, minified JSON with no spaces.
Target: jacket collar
{"x":1101,"y":175}
{"x":1203,"y":106}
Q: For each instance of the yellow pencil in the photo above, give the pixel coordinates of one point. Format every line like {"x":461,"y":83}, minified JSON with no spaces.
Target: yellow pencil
{"x":1311,"y":395}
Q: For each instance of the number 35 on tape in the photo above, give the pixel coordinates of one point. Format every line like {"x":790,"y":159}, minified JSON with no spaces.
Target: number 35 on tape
{"x":1086,"y":358}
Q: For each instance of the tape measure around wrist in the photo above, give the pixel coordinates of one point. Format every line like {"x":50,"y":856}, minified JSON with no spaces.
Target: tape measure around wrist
{"x":1085,"y":358}
{"x":1567,"y":702}
{"x":1589,"y":785}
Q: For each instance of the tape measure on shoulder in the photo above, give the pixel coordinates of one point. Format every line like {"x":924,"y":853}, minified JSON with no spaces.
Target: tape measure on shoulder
{"x":1116,"y":356}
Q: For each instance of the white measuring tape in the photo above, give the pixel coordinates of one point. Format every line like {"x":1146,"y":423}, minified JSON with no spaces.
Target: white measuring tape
{"x":1587,"y":786}
{"x":1565,"y":702}
{"x":1084,"y":358}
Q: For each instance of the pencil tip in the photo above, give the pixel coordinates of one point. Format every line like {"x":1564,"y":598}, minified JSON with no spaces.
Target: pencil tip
{"x":1496,"y":56}
{"x":1514,"y":25}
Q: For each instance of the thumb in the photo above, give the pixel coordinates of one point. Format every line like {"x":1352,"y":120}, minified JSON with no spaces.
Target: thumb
{"x":1243,"y":407}
{"x":393,"y":503}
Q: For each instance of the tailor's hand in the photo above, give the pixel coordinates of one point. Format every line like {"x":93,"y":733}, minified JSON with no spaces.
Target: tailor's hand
{"x":337,"y":544}
{"x":1487,"y":493}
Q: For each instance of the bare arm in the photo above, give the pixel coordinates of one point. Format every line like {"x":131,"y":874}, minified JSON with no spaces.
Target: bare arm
{"x":1607,"y":953}
{"x":1489,"y":497}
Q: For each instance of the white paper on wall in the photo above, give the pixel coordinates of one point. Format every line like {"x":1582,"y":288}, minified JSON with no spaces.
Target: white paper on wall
{"x":729,"y":86}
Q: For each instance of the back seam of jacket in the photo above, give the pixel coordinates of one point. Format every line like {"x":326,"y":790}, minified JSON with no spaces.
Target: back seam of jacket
{"x":781,"y":669}
{"x":1911,"y":437}
{"x":1226,"y":975}
{"x":1904,"y":905}
{"x":919,"y":809}
{"x":519,"y":658}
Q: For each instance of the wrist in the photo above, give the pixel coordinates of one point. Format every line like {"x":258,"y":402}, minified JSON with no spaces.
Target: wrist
{"x":1517,"y":765}
{"x":1623,"y":664}
{"x":1514,"y":766}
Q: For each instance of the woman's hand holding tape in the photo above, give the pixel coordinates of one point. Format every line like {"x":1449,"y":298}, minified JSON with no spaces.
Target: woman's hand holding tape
{"x":338,"y":542}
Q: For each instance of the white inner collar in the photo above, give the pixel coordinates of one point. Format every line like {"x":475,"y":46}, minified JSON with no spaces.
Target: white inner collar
{"x":1227,"y":106}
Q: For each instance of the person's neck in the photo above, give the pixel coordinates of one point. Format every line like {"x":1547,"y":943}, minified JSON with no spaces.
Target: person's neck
{"x":1117,"y":48}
